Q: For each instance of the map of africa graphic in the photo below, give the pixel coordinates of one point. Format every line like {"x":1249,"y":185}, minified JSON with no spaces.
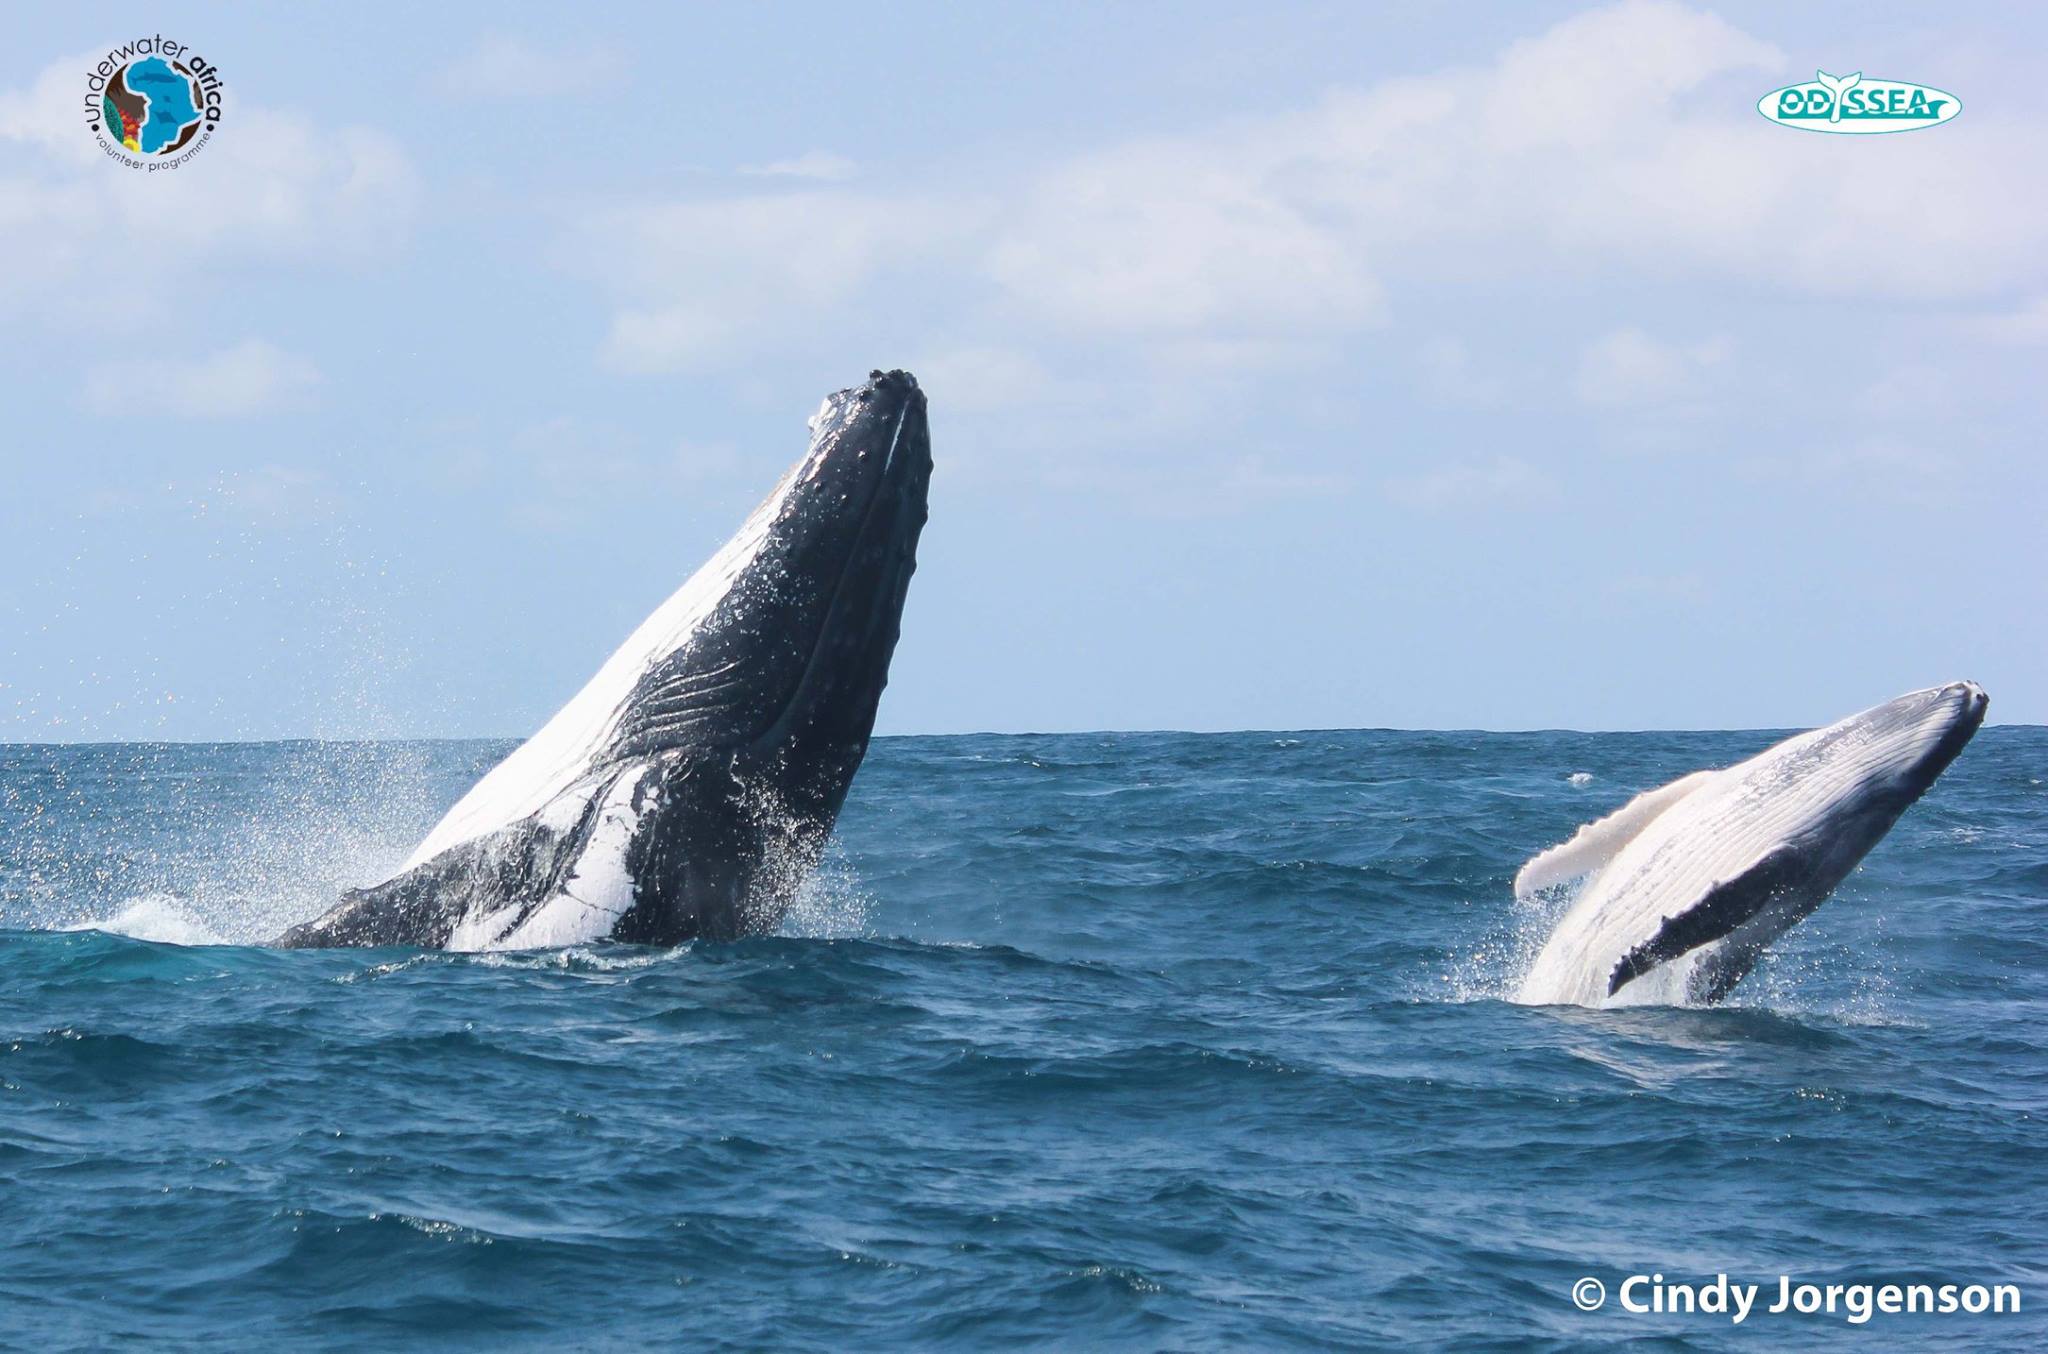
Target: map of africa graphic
{"x":154,"y":106}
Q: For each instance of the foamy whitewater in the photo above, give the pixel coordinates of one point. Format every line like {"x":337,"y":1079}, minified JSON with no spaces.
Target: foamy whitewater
{"x":1094,"y":1041}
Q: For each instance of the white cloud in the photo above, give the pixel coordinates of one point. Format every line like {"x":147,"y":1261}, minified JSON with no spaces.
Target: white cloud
{"x":563,"y":473}
{"x":1886,"y":456}
{"x":2026,"y":325}
{"x":270,"y":496}
{"x":501,"y":66}
{"x":1449,"y":377}
{"x":1500,"y":480}
{"x":268,"y":188}
{"x":277,"y":496}
{"x":1178,"y":237}
{"x":1911,"y":390}
{"x":703,"y":282}
{"x":1660,"y":590}
{"x":817,"y":165}
{"x":1251,"y":475}
{"x":252,"y":377}
{"x":1629,"y":367}
{"x":1876,"y":466}
{"x":1217,"y":488}
{"x":702,"y":462}
{"x":979,"y":379}
{"x":1620,"y":142}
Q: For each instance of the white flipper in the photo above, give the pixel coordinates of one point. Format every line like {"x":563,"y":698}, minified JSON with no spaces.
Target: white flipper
{"x":1598,"y":842}
{"x":595,"y":887}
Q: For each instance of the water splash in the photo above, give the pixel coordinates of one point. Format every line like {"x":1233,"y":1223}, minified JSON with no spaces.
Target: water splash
{"x":831,"y":904}
{"x":243,"y":839}
{"x":157,"y":917}
{"x":1494,"y":968}
{"x":1808,"y":976}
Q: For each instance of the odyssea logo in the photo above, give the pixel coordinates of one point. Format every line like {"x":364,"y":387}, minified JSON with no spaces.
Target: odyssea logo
{"x":152,"y":103}
{"x":1858,"y":105}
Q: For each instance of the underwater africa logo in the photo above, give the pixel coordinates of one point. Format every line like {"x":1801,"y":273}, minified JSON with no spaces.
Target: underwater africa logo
{"x":152,"y":103}
{"x":1855,"y":105}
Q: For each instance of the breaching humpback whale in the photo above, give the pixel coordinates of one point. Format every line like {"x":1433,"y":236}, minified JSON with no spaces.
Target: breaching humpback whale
{"x":688,"y":789}
{"x":1690,"y":882}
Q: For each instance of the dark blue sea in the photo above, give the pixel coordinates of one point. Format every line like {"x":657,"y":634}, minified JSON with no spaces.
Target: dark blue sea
{"x":1141,"y":1041}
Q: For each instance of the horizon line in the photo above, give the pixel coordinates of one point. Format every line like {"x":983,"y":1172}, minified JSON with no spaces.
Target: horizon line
{"x":970,"y":733}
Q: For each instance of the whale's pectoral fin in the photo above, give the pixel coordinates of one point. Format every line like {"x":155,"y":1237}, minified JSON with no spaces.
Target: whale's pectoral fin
{"x":420,"y":907}
{"x":1717,"y":915}
{"x":476,"y":893}
{"x":1598,"y":842}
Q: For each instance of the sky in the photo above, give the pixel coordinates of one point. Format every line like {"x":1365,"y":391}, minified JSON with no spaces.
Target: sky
{"x":1290,"y":367}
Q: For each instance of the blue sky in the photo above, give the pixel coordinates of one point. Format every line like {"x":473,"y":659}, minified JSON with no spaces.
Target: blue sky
{"x":1319,"y":366}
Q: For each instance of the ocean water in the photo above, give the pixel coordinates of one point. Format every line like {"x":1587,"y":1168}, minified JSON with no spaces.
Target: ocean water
{"x":1150,"y":1041}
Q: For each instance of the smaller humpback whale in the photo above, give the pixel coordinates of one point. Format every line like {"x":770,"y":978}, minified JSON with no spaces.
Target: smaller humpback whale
{"x":1689,"y":883}
{"x":688,"y":789}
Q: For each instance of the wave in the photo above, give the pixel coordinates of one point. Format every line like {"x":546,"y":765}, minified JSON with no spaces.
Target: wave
{"x":157,"y":917}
